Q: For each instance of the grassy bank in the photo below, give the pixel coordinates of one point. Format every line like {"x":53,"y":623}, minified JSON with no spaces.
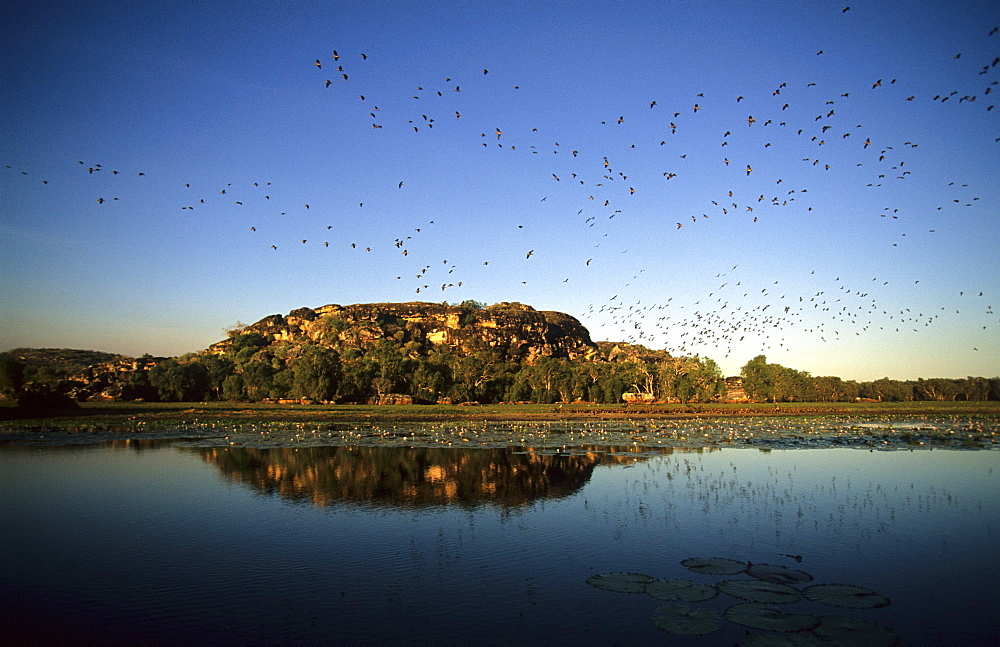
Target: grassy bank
{"x":125,"y":412}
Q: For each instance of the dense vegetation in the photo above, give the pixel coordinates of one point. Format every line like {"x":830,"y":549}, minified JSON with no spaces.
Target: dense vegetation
{"x":766,"y":382}
{"x":254,"y":369}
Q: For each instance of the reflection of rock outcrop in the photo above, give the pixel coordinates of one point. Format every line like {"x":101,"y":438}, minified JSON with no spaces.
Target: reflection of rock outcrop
{"x":408,"y":476}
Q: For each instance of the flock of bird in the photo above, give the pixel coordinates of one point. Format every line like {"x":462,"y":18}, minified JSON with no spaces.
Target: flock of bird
{"x":797,"y":122}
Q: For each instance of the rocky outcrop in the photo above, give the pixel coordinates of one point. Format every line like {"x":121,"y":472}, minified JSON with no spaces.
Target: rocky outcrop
{"x":735,"y":391}
{"x":516,"y":332}
{"x":121,"y":379}
{"x":631,"y":397}
{"x":391,"y":398}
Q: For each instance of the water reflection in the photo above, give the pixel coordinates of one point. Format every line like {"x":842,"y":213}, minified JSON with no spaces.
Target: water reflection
{"x":414,"y":476}
{"x":138,"y":543}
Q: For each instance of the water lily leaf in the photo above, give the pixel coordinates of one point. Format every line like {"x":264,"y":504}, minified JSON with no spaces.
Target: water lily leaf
{"x":695,"y":593}
{"x":666,"y":588}
{"x":857,"y":633}
{"x":620,"y":582}
{"x":714,"y":566}
{"x":778,"y":574}
{"x":760,"y":591}
{"x":680,"y":590}
{"x":845,"y":595}
{"x":761,"y":616}
{"x":681,"y":620}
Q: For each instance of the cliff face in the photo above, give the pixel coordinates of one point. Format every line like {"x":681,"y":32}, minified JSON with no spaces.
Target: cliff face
{"x":514,"y":331}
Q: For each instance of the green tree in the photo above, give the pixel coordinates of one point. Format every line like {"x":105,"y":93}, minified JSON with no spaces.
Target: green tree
{"x":316,"y":373}
{"x":179,"y":380}
{"x":217,"y":369}
{"x":429,"y":381}
{"x":257,"y":376}
{"x":886,"y":390}
{"x":249,"y":340}
{"x":939,"y":389}
{"x":11,"y":376}
{"x":356,"y":375}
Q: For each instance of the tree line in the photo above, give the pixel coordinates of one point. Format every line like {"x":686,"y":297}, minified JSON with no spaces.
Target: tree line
{"x":254,"y":369}
{"x":765,"y":382}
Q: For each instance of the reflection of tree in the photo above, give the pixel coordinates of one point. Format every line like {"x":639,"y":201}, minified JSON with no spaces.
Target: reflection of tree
{"x":409,"y":476}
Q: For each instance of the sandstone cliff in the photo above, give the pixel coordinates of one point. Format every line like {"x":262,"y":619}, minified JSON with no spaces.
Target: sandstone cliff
{"x":517,"y":332}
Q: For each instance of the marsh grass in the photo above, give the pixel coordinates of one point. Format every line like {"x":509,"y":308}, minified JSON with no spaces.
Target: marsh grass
{"x":119,"y":412}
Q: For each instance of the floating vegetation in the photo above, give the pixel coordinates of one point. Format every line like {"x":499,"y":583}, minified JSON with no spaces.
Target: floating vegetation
{"x":667,"y":588}
{"x":845,"y":595}
{"x":761,"y":616}
{"x":647,"y":436}
{"x":680,"y":590}
{"x":842,"y":630}
{"x":683,"y":621}
{"x":772,"y":584}
{"x":621,"y":582}
{"x":778,"y":574}
{"x":760,"y":591}
{"x":714,"y":566}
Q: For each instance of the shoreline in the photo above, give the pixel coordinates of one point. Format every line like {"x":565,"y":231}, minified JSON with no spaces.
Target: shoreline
{"x":872,"y":426}
{"x":181,"y":412}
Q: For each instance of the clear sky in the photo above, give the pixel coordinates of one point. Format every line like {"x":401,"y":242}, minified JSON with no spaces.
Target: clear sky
{"x":799,"y":179}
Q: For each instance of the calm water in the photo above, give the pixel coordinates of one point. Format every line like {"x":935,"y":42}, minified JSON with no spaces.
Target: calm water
{"x":154,"y":542}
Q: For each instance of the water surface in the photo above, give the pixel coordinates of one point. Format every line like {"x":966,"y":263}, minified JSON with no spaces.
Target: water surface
{"x":158,"y":542}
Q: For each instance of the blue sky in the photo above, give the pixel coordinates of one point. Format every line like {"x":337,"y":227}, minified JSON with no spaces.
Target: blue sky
{"x":857,"y":244}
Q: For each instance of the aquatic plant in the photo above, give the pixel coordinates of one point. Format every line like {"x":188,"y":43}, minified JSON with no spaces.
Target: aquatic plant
{"x":845,"y":595}
{"x":679,"y":589}
{"x":666,"y":588}
{"x":761,"y":616}
{"x":714,"y":565}
{"x":778,"y":574}
{"x":683,"y":621}
{"x":842,"y":630}
{"x":772,"y":584}
{"x":760,"y":591}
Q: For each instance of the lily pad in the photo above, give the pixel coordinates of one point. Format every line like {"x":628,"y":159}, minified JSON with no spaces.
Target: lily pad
{"x":761,"y":616}
{"x":667,"y":588}
{"x":620,"y":582}
{"x":842,"y":630}
{"x":845,"y":595}
{"x":714,"y":565}
{"x":778,"y":574}
{"x":760,"y":591}
{"x":681,"y":620}
{"x":680,"y":590}
{"x":694,"y":593}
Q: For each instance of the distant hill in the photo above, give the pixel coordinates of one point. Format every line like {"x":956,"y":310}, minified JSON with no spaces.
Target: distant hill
{"x":68,"y":357}
{"x":23,"y":366}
